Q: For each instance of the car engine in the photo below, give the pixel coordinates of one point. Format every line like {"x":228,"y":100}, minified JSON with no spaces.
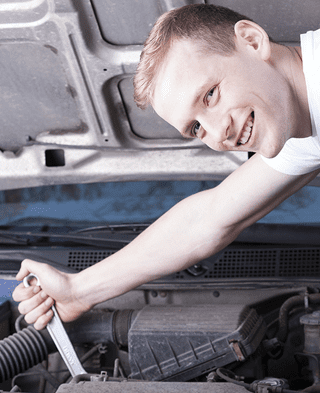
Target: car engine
{"x":244,"y":319}
{"x":175,"y":340}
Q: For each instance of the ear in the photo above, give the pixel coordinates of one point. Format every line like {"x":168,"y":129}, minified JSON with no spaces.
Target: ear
{"x":252,"y":37}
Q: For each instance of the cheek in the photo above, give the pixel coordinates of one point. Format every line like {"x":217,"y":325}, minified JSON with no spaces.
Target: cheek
{"x":239,"y":92}
{"x":274,"y":140}
{"x":276,"y":90}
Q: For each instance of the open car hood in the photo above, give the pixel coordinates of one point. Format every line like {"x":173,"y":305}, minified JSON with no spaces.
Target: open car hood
{"x":67,"y":111}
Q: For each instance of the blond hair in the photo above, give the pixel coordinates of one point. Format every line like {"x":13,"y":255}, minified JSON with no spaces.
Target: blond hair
{"x":212,"y":26}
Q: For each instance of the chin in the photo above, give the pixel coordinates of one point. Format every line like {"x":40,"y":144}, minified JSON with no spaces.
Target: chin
{"x":269,"y":155}
{"x":270,"y":151}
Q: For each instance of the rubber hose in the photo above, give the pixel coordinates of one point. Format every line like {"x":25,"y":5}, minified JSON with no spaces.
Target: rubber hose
{"x":287,"y":306}
{"x":254,"y":387}
{"x":20,"y":352}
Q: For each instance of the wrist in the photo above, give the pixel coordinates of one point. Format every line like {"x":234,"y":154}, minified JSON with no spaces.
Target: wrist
{"x":105,"y":280}
{"x":79,"y":286}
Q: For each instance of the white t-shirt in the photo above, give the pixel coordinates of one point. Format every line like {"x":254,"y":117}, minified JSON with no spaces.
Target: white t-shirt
{"x":302,"y":155}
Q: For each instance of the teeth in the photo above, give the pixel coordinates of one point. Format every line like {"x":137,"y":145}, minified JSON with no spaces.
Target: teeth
{"x":246,"y":132}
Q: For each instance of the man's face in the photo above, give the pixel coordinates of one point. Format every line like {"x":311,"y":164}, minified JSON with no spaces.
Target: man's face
{"x":239,"y":102}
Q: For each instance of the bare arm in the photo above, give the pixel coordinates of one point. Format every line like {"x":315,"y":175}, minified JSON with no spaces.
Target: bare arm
{"x":195,"y":228}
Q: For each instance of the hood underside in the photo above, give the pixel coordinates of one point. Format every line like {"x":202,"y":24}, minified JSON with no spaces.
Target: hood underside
{"x":67,"y":111}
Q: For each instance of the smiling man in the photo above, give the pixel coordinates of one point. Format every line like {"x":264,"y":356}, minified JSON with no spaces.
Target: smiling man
{"x":242,"y":92}
{"x":214,"y":75}
{"x":242,"y":102}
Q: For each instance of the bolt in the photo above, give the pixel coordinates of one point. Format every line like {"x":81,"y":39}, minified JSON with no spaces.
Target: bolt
{"x":216,"y":293}
{"x":163,"y":294}
{"x":154,"y":293}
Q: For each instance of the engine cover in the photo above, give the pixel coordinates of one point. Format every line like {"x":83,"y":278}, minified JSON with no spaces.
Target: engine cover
{"x":180,"y":343}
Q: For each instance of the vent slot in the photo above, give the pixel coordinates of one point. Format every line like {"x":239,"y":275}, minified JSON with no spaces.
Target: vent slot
{"x":255,"y":263}
{"x":299,"y":262}
{"x":80,"y":260}
{"x":245,"y":263}
{"x":233,"y":263}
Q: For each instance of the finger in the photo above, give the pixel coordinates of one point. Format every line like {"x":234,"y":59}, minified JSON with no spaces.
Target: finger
{"x":42,"y":321}
{"x":24,"y":271}
{"x":35,"y":314}
{"x":22,"y":293}
{"x":27,"y":267}
{"x":33,"y":302}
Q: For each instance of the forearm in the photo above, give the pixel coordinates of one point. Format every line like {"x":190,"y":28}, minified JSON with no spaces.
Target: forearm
{"x":187,"y":233}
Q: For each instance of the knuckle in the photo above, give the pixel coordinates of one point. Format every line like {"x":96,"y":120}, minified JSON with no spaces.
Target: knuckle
{"x":49,"y":302}
{"x":24,"y":263}
{"x":29,"y":319}
{"x":17,"y":293}
{"x":45,"y":306}
{"x":42,"y":321}
{"x":38,"y":325}
{"x":35,"y":289}
{"x":21,"y":308}
{"x":49,"y":315}
{"x":15,"y":296}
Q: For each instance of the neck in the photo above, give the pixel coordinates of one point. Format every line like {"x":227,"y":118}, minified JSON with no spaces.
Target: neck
{"x":290,"y":61}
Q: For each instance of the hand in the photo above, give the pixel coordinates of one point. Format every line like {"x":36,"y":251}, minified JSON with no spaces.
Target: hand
{"x":56,"y":287}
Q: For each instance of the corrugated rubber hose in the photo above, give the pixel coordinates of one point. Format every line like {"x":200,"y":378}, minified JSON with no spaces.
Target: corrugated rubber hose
{"x":20,"y":352}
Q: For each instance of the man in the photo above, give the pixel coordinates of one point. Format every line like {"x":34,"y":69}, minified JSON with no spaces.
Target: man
{"x":214,"y":75}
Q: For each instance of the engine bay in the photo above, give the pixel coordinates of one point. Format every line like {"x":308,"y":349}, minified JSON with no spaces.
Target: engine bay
{"x":244,"y":319}
{"x":175,"y":340}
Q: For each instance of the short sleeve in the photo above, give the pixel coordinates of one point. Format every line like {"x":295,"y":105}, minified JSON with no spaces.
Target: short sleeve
{"x":298,"y":156}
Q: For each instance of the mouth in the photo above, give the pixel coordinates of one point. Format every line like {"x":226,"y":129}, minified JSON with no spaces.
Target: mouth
{"x":246,"y":131}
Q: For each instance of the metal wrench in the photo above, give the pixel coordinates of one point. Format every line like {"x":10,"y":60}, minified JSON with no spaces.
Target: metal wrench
{"x":60,"y":337}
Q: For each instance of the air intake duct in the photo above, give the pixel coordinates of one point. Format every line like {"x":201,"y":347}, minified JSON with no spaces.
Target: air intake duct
{"x":180,"y":343}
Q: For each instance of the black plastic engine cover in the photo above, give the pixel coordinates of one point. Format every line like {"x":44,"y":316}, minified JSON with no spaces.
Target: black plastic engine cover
{"x":180,"y":343}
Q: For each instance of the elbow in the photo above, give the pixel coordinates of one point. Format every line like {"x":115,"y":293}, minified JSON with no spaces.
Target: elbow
{"x":216,"y":240}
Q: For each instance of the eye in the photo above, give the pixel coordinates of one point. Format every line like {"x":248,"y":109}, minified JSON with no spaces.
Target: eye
{"x":195,"y":128}
{"x":209,"y":94}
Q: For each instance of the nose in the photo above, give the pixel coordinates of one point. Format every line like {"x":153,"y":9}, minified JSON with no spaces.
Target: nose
{"x":215,"y":128}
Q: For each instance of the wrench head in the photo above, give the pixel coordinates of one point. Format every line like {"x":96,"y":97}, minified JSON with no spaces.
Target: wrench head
{"x":29,"y":278}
